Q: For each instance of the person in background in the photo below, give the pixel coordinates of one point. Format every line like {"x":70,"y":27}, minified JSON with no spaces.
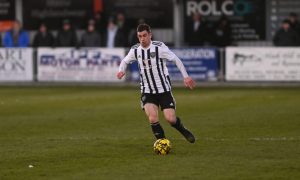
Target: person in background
{"x":43,"y":38}
{"x":17,"y":37}
{"x":114,"y":37}
{"x":111,"y":33}
{"x":67,"y":36}
{"x":196,"y":31}
{"x":100,"y":23}
{"x":123,"y":28}
{"x":294,"y":23}
{"x":286,"y":36}
{"x":0,"y":40}
{"x":91,"y":38}
{"x":222,"y":33}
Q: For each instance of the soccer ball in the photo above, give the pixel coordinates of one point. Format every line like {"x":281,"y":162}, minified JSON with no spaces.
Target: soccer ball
{"x":162,"y":146}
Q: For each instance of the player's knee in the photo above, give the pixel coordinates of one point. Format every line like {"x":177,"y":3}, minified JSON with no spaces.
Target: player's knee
{"x":171,"y":118}
{"x":153,"y":118}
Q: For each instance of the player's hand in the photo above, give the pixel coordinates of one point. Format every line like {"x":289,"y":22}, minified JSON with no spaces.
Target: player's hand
{"x":189,"y":82}
{"x":120,"y":75}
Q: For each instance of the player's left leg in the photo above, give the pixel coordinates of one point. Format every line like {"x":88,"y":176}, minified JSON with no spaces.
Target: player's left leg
{"x":170,"y":116}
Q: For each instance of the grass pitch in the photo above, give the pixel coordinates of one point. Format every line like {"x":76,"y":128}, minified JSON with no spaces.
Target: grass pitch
{"x":101,"y":133}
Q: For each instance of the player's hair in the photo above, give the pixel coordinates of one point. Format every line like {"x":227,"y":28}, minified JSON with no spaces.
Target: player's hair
{"x":143,"y":27}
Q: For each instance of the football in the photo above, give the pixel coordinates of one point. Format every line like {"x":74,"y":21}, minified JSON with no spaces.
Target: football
{"x":162,"y":146}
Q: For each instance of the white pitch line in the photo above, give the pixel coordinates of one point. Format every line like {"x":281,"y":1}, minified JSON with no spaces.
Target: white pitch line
{"x":214,"y":139}
{"x":200,"y":138}
{"x":275,"y":139}
{"x":254,"y":139}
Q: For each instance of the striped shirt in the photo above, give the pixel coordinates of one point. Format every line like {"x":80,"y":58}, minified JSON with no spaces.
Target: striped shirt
{"x":154,"y":73}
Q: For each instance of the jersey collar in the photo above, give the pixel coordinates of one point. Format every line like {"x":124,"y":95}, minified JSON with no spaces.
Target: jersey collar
{"x":147,"y":47}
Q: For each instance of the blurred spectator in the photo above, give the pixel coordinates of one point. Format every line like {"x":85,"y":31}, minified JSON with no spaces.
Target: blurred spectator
{"x":196,"y":31}
{"x":113,"y":37}
{"x":132,"y":37}
{"x":286,"y":36}
{"x":222,"y":33}
{"x":0,"y":40}
{"x":91,"y":38}
{"x":100,"y":23}
{"x":123,"y":28}
{"x":67,"y":36}
{"x":17,"y":37}
{"x":43,"y":38}
{"x":294,"y":23}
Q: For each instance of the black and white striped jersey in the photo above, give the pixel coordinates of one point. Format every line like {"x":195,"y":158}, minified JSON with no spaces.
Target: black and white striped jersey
{"x":154,"y":73}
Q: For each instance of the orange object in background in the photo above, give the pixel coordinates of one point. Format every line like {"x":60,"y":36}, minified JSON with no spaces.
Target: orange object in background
{"x":98,"y":6}
{"x":6,"y":25}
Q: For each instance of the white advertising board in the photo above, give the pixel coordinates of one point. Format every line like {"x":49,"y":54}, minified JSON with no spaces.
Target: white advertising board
{"x":16,"y":64}
{"x":262,"y":64}
{"x":79,"y":65}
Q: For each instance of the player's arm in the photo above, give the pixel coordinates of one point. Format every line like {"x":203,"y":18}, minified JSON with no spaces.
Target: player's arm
{"x":168,"y":54}
{"x":124,"y":63}
{"x":188,"y":81}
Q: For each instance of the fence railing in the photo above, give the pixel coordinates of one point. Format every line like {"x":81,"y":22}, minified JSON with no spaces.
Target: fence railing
{"x":101,"y":64}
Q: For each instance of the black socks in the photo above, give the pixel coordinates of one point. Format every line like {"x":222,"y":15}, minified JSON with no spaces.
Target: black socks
{"x":178,"y":125}
{"x":185,"y":132}
{"x":157,"y":130}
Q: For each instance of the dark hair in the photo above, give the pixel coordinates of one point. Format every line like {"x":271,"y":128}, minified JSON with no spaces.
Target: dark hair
{"x":285,"y":21}
{"x":66,"y":21}
{"x":293,"y":14}
{"x":144,"y":27}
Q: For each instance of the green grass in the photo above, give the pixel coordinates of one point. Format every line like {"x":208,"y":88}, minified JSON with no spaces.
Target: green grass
{"x":101,"y":133}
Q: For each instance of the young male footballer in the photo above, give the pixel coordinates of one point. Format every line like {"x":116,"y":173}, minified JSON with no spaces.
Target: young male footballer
{"x":155,"y":81}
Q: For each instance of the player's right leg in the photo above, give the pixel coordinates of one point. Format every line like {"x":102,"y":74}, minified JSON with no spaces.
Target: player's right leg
{"x":151,"y":111}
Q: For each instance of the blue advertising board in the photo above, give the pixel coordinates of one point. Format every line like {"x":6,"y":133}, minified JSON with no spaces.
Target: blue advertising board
{"x":200,"y":63}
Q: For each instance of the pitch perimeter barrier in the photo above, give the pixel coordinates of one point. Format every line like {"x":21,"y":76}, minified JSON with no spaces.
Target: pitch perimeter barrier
{"x":16,"y":64}
{"x":242,"y":64}
{"x":262,"y":64}
{"x":78,"y":65}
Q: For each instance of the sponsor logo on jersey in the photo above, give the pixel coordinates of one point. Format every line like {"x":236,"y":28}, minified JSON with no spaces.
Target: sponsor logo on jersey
{"x":152,"y":54}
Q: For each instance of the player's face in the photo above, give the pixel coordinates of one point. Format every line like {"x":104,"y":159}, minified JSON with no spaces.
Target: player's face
{"x":144,"y":38}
